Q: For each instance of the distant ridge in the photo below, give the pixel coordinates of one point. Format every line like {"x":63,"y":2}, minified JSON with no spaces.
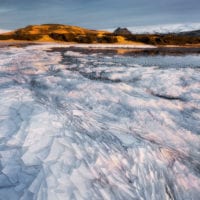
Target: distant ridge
{"x":164,"y":28}
{"x":191,"y":33}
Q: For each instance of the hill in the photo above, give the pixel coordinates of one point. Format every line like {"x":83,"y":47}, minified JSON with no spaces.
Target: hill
{"x":181,"y":39}
{"x":75,"y":34}
{"x":64,"y":33}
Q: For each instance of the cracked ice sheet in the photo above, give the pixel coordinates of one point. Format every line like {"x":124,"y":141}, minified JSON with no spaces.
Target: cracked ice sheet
{"x":97,"y":126}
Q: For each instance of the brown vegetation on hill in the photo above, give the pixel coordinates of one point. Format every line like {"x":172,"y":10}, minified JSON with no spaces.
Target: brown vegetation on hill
{"x":164,"y":39}
{"x":58,"y":32}
{"x":65,"y":33}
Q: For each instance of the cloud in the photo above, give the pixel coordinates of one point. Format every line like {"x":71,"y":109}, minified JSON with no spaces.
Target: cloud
{"x":5,"y":10}
{"x":97,"y":14}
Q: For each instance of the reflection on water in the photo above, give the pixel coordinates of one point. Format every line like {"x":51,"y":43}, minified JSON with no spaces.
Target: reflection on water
{"x":77,"y":125}
{"x":168,"y":61}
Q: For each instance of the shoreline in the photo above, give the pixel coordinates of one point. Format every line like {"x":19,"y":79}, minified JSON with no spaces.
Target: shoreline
{"x":87,"y":45}
{"x":166,"y":51}
{"x":115,"y":48}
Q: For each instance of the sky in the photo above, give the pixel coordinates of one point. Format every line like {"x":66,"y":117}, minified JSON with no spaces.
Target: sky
{"x":98,"y":14}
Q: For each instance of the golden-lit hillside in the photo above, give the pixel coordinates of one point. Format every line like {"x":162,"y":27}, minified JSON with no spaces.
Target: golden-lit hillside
{"x":63,"y":33}
{"x":47,"y":29}
{"x":75,"y":34}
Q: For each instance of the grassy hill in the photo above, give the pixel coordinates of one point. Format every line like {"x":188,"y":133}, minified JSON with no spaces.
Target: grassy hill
{"x":65,"y":33}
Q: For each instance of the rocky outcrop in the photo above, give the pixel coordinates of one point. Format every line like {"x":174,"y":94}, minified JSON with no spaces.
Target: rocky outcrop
{"x":122,"y":32}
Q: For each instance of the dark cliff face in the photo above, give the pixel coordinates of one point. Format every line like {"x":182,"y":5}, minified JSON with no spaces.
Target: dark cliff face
{"x":122,"y":31}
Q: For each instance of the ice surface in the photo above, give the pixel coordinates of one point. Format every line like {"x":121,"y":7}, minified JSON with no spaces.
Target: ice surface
{"x":97,"y":126}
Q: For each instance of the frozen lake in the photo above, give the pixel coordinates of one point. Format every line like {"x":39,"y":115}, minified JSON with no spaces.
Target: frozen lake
{"x":97,"y":126}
